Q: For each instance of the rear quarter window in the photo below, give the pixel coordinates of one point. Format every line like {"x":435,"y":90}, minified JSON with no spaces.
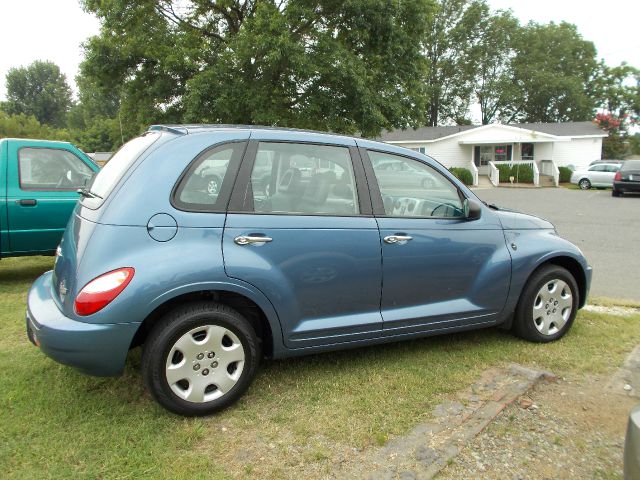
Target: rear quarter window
{"x":109,"y":176}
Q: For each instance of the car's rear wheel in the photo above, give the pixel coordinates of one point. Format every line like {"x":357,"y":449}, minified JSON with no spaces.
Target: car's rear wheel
{"x":584,"y":184}
{"x":616,"y":193}
{"x":548,"y":305}
{"x":200,"y":358}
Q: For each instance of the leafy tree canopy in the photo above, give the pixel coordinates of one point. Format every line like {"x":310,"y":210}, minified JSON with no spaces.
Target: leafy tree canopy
{"x":345,"y":66}
{"x":40,"y":90}
{"x":553,"y":70}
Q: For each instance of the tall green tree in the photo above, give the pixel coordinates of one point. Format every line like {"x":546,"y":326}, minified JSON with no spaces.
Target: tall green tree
{"x":493,"y":55}
{"x":616,"y":91}
{"x":41,"y":90}
{"x":553,"y":71}
{"x":345,"y":66}
{"x":450,"y":49}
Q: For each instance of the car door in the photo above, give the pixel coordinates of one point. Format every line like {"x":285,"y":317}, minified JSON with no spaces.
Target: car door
{"x":41,"y":193}
{"x":304,"y":235}
{"x":440,"y":270}
{"x":598,"y":175}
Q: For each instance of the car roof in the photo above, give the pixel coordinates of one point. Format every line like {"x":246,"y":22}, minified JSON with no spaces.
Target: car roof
{"x":186,"y":129}
{"x":631,"y":164}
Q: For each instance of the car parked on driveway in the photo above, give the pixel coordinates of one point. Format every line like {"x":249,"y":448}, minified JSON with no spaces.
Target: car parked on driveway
{"x":598,"y":175}
{"x":330,"y":258}
{"x":627,"y":179}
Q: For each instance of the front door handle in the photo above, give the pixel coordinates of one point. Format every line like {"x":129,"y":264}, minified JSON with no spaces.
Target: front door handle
{"x":248,"y":239}
{"x":397,"y":238}
{"x":27,"y":202}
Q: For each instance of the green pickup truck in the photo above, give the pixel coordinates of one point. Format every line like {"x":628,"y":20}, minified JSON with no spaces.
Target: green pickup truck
{"x":39,"y":182}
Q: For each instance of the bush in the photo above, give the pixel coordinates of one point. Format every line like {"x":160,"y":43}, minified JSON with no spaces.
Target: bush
{"x":505,"y":172}
{"x":565,"y":174}
{"x":522,"y":173}
{"x":463,"y":174}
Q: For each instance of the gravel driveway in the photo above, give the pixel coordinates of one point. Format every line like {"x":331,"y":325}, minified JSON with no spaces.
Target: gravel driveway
{"x":606,"y":229}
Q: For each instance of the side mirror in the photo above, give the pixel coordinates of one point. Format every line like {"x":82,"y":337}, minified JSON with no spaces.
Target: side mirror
{"x":472,"y":209}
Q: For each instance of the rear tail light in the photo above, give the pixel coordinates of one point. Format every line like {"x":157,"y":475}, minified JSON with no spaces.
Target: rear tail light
{"x":618,"y":177}
{"x":102,"y":290}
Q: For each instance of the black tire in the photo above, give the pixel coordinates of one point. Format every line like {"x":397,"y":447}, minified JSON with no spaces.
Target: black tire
{"x":584,"y":184}
{"x":615,"y":193}
{"x":523,"y":322}
{"x":172,"y":327}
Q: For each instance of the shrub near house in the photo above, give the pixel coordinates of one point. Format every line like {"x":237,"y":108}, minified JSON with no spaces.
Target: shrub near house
{"x":565,"y":174}
{"x":463,"y":174}
{"x":522,"y":173}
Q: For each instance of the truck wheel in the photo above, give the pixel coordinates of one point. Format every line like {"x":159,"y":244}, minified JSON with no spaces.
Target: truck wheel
{"x":548,"y":305}
{"x":200,"y":358}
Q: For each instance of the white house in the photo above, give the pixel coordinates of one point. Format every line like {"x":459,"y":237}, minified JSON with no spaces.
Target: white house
{"x":479,"y":148}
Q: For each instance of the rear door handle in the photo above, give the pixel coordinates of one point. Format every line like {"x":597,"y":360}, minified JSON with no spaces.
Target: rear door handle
{"x":27,"y":202}
{"x":249,"y":239}
{"x":397,"y":238}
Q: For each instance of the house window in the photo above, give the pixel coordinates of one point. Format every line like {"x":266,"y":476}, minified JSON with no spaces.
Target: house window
{"x":486,"y":154}
{"x":527,"y":151}
{"x":501,"y":153}
{"x":422,"y":150}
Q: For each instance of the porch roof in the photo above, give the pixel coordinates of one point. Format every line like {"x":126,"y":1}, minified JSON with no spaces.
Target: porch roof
{"x":541,"y":132}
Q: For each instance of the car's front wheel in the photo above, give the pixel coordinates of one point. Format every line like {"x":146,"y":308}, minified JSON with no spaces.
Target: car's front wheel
{"x":548,"y":305}
{"x":200,"y":358}
{"x":584,"y":184}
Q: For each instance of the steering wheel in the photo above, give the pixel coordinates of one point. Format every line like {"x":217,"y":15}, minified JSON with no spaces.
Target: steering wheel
{"x":64,"y":181}
{"x":446,"y":206}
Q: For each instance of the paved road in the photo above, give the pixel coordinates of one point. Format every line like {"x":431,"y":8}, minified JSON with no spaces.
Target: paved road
{"x":606,"y":229}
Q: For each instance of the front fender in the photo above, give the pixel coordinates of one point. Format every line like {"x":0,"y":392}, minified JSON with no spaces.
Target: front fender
{"x":532,"y":248}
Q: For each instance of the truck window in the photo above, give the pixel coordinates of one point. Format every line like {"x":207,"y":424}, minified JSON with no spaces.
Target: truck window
{"x":51,"y":169}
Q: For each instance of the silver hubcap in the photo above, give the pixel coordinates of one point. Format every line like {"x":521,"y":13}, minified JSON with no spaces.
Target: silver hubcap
{"x":552,"y":307}
{"x":205,"y":363}
{"x":584,"y":184}
{"x":212,"y":187}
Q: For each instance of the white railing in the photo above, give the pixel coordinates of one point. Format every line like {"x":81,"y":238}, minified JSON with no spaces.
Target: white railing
{"x":549,"y":167}
{"x":474,"y":173}
{"x":531,"y":163}
{"x":494,"y":174}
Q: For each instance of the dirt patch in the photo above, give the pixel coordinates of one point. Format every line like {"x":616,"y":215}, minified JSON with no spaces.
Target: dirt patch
{"x":576,"y":431}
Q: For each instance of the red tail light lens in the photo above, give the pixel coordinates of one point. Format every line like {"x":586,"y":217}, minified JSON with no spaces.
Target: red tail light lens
{"x":618,"y":177}
{"x":102,"y":290}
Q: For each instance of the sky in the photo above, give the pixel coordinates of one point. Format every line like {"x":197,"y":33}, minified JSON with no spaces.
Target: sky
{"x":55,"y":29}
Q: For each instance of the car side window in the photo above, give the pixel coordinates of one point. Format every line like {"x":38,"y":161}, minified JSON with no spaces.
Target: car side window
{"x":612,"y":168}
{"x":303,"y":179}
{"x":410,"y":188}
{"x":200,"y":186}
{"x":51,"y":169}
{"x":597,"y":168}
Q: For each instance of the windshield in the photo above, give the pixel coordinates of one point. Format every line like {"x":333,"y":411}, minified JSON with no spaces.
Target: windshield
{"x":116,"y":167}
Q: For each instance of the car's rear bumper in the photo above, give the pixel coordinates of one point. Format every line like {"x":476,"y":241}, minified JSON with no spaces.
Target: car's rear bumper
{"x":96,"y":349}
{"x":623,"y":186}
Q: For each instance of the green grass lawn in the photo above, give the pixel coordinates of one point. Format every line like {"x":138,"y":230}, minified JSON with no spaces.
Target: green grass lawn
{"x":57,"y":423}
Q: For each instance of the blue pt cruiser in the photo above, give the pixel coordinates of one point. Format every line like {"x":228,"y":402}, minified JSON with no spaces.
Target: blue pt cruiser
{"x":212,"y":246}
